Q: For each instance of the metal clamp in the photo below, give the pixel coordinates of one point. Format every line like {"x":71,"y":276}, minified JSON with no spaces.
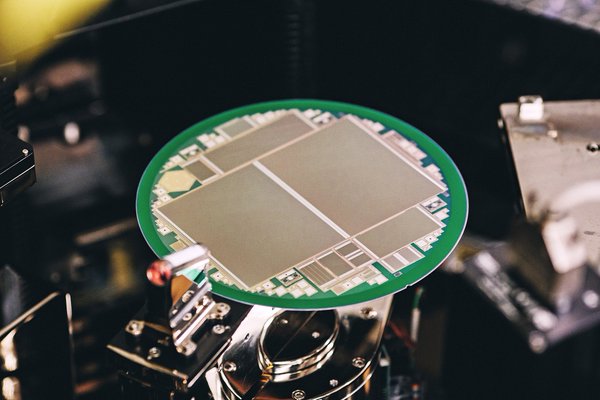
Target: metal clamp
{"x":195,"y":306}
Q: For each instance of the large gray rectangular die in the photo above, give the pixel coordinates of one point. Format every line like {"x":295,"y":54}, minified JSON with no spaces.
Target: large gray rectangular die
{"x":350,"y":176}
{"x":253,"y":227}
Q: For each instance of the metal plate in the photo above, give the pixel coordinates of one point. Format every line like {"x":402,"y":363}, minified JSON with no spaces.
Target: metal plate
{"x":305,"y":204}
{"x":554,"y":153}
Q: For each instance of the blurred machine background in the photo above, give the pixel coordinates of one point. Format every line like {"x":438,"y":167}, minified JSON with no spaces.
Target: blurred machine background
{"x":99,"y":103}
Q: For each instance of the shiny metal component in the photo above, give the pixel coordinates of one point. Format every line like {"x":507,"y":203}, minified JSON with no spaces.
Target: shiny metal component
{"x":187,"y":296}
{"x":195,"y":306}
{"x":17,"y":165}
{"x":559,"y":178}
{"x":267,"y":352}
{"x":368,"y":313}
{"x":219,"y":329}
{"x":195,"y":257}
{"x":153,"y":353}
{"x":358,"y":362}
{"x":304,"y":351}
{"x":229,"y":366}
{"x":531,"y":108}
{"x":168,"y":331}
{"x":335,"y":364}
{"x":221,"y":310}
{"x":135,"y":327}
{"x":190,"y":317}
{"x":546,"y":167}
{"x":298,"y":395}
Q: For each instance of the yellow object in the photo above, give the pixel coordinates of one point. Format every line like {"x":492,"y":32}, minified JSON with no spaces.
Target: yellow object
{"x":177,"y":181}
{"x":28,"y":27}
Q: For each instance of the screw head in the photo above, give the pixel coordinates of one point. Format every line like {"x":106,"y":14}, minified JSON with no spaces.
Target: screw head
{"x":25,"y":152}
{"x":315,"y":335}
{"x":298,"y":394}
{"x":187,"y":296}
{"x":229,"y":366}
{"x":134,"y":328}
{"x":358,"y":362}
{"x":187,"y":316}
{"x":333,"y":382}
{"x":219,"y":329}
{"x":186,"y":349}
{"x":593,"y":147}
{"x":368,"y":313}
{"x":283,"y":321}
{"x":154,"y":352}
{"x":221,"y":311}
{"x":223,"y":308}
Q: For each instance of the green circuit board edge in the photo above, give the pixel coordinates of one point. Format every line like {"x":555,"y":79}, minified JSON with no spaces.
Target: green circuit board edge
{"x":348,"y":271}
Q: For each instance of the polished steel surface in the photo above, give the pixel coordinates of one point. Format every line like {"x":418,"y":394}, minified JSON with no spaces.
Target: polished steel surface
{"x":337,"y":365}
{"x":555,"y":148}
{"x":295,"y":343}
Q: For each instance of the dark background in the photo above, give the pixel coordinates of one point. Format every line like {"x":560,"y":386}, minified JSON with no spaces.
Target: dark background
{"x":443,"y":66}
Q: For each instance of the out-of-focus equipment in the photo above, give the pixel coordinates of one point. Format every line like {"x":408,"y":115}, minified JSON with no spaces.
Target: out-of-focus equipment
{"x":580,"y":13}
{"x":35,"y":320}
{"x":28,"y":28}
{"x":35,"y":340}
{"x":545,"y":278}
{"x":17,"y":165}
